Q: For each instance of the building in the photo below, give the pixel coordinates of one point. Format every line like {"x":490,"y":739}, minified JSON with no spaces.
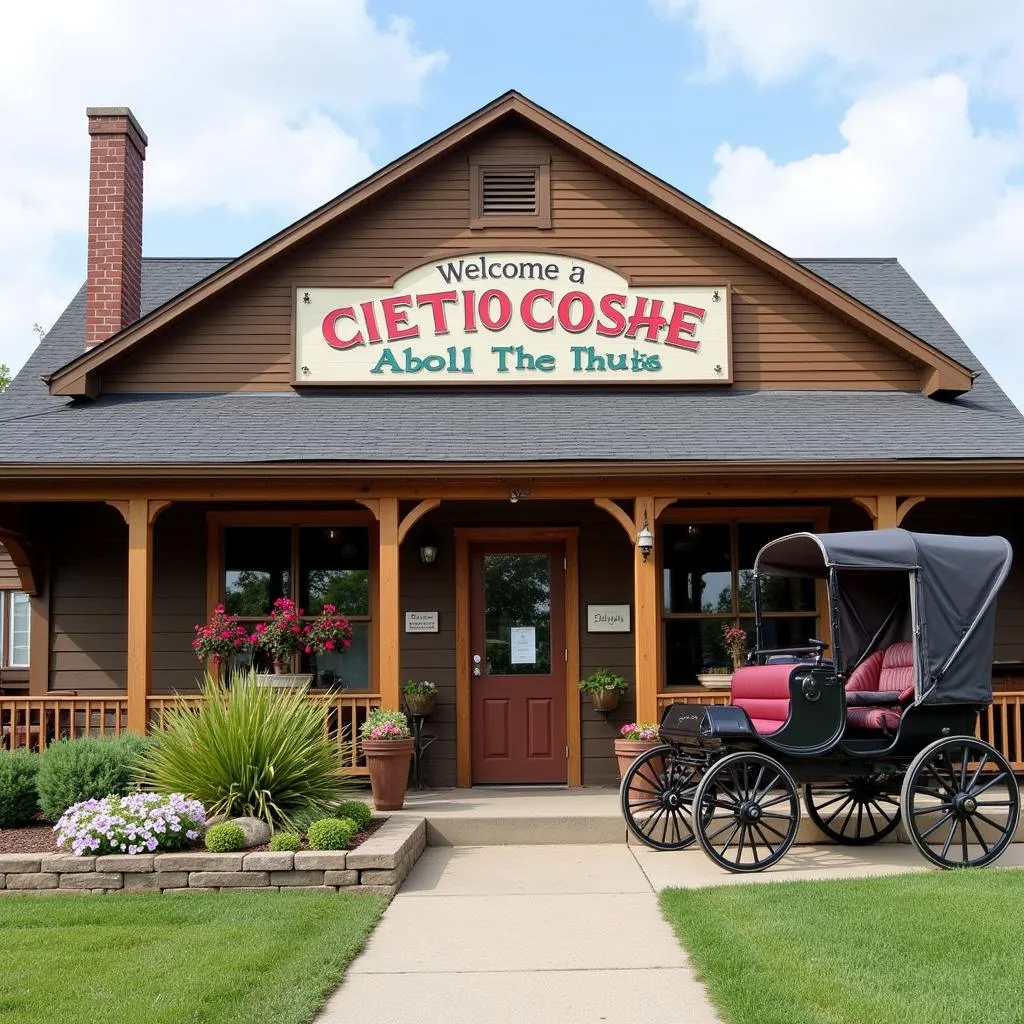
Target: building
{"x":451,"y":400}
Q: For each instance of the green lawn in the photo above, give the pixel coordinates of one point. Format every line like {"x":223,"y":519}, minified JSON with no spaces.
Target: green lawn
{"x":915,"y":949}
{"x":267,"y":957}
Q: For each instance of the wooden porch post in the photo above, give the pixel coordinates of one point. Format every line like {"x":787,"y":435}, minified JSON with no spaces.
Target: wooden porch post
{"x":388,"y":604}
{"x":139,"y":514}
{"x":886,"y":510}
{"x":645,"y":602}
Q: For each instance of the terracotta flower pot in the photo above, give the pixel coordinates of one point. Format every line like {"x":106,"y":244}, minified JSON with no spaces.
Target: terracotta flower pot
{"x":420,"y":703}
{"x":627,"y":751}
{"x":388,"y":762}
{"x":605,"y":700}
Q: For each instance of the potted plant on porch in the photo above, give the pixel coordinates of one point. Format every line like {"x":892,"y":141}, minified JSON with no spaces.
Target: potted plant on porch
{"x":220,"y":639}
{"x":420,"y":696}
{"x":281,"y":638}
{"x":387,"y":744}
{"x":605,"y":689}
{"x":633,"y":740}
{"x":327,"y":636}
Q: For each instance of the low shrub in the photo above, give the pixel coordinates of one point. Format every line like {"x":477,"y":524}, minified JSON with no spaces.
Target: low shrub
{"x":18,"y":798}
{"x":140,"y":823}
{"x":87,"y":769}
{"x":225,"y":838}
{"x":250,"y":751}
{"x":356,"y":811}
{"x":332,"y":833}
{"x":285,"y":842}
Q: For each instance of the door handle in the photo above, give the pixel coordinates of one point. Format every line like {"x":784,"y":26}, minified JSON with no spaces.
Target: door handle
{"x":476,"y":665}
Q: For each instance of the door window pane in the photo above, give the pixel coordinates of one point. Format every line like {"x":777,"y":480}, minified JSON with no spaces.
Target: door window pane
{"x":778,"y":593}
{"x":257,"y":568}
{"x":697,"y":568}
{"x":19,"y":629}
{"x":334,"y":568}
{"x":517,"y":614}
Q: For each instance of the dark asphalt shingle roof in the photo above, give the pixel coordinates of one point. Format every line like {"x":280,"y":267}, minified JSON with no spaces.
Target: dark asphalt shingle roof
{"x":488,"y":425}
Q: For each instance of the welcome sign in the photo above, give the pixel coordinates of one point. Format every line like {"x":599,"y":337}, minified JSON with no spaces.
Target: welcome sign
{"x":512,"y":318}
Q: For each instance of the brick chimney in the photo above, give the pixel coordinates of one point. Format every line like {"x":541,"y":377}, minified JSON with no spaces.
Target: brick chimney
{"x":114,"y":278}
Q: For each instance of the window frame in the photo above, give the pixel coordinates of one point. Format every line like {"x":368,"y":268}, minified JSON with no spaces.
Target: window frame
{"x":9,"y":661}
{"x":816,"y":515}
{"x":478,"y":220}
{"x":217,"y":522}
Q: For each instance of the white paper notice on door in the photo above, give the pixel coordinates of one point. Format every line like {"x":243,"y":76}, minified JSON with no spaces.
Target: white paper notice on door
{"x":524,"y":645}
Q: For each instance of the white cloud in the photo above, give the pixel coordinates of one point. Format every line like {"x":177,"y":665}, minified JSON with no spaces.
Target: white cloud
{"x":249,"y":107}
{"x":883,"y":39}
{"x":913,"y":179}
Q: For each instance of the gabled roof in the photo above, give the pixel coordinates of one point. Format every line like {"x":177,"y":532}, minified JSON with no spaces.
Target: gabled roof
{"x":124,"y":434}
{"x":941,"y":374}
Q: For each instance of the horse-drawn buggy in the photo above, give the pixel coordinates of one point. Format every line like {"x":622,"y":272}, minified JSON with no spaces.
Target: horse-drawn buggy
{"x":882,"y":729}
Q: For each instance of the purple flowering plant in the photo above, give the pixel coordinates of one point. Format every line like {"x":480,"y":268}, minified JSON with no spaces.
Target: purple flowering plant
{"x":138,"y":823}
{"x":633,"y":731}
{"x":385,"y":725}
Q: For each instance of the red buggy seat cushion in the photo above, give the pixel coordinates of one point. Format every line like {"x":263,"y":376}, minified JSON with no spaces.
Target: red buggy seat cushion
{"x":891,"y":671}
{"x":763,"y":692}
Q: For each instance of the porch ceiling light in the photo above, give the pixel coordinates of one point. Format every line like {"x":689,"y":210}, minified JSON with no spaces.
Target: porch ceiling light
{"x":645,"y":539}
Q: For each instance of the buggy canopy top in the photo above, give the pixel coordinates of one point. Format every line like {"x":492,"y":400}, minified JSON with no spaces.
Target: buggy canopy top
{"x":950,"y":600}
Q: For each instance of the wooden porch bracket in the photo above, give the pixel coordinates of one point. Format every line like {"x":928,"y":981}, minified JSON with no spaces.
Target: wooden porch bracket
{"x":905,"y":506}
{"x":19,"y":547}
{"x":373,"y":504}
{"x":886,"y":510}
{"x":415,"y":515}
{"x":618,"y":514}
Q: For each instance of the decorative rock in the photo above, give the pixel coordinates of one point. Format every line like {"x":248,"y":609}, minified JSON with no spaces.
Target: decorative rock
{"x":341,"y":878}
{"x":198,"y":862}
{"x":155,"y":880}
{"x":296,"y":878}
{"x":226,"y":879}
{"x":257,"y":832}
{"x":320,"y":860}
{"x":268,"y":861}
{"x":381,"y":877}
{"x":33,"y":880}
{"x":129,"y":863}
{"x":64,"y":862}
{"x":92,"y":880}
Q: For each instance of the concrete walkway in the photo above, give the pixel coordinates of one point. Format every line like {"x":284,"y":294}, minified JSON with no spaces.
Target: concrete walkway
{"x":488,"y":935}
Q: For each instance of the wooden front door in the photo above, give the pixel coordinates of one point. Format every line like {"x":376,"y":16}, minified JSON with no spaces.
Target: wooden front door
{"x":518,"y":662}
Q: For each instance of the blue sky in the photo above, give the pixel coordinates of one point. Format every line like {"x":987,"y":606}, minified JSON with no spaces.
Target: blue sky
{"x":853,"y":128}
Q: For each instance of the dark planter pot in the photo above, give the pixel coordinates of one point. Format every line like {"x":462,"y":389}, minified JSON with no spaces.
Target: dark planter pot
{"x":605,"y":700}
{"x":388,"y":763}
{"x":420,"y":703}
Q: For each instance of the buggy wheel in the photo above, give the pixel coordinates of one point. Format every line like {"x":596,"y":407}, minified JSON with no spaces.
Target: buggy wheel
{"x":856,"y":811}
{"x":656,"y":795}
{"x":746,"y":812}
{"x":960,"y":802}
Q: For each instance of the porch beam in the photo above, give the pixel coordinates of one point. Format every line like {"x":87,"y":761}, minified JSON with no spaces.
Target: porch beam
{"x":413,"y":517}
{"x":388,"y":524}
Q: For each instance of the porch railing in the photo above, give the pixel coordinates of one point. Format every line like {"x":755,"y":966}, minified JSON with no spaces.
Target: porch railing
{"x":32,"y":723}
{"x":1001,"y":723}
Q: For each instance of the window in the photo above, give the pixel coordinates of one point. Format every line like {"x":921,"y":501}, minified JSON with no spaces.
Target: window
{"x":314,"y":566}
{"x":707,"y":582}
{"x":512,"y":192}
{"x":14,"y":629}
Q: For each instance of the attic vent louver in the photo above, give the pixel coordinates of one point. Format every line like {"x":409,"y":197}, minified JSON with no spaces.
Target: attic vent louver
{"x":510,"y":190}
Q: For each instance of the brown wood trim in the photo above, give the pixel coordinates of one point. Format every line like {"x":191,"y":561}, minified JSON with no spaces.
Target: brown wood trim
{"x":464,"y":536}
{"x":744,"y":513}
{"x":387,"y":623}
{"x":289,"y":517}
{"x":886,"y":512}
{"x":869,"y":504}
{"x":411,"y":518}
{"x":140,"y":611}
{"x":940,"y":372}
{"x":39,"y":635}
{"x":905,"y":507}
{"x":573,"y":721}
{"x":618,"y":514}
{"x":647,"y":620}
{"x":463,"y":704}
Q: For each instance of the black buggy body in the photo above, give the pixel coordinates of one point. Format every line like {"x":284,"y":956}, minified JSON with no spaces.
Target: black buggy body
{"x":882,"y":729}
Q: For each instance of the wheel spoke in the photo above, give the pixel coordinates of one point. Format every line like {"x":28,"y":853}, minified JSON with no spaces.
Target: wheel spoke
{"x":977,"y":772}
{"x":988,"y":785}
{"x":860,"y":819}
{"x":644,"y":803}
{"x":917,"y":812}
{"x":772,"y":828}
{"x":887,"y":818}
{"x":849,"y":815}
{"x":739,"y":847}
{"x":728,"y":842}
{"x":994,"y":803}
{"x":963,"y":841}
{"x":781,"y":798}
{"x":1001,"y":826}
{"x":839,"y":810}
{"x":729,"y":822}
{"x":827,"y":803}
{"x":981,"y":839}
{"x":654,"y":781}
{"x":941,"y":821}
{"x":649,"y":827}
{"x":963,"y":766}
{"x":949,"y":838}
{"x":766,"y":841}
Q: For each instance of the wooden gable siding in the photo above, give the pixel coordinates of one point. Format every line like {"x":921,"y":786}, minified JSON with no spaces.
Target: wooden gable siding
{"x":9,"y":579}
{"x":241,"y":341}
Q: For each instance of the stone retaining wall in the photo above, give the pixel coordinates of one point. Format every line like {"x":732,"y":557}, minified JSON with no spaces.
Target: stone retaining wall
{"x":378,"y":865}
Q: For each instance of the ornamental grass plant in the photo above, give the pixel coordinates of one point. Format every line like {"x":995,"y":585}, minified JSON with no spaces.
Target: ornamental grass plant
{"x":250,"y":750}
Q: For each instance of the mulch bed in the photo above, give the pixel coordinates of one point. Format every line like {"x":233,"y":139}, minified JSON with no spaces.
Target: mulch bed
{"x":39,"y":837}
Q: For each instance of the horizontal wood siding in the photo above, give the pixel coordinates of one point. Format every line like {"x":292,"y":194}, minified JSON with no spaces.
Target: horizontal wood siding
{"x":89,"y":598}
{"x":241,"y":341}
{"x":8,"y":574}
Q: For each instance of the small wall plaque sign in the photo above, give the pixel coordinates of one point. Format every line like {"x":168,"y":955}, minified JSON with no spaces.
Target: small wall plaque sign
{"x":607,"y":618}
{"x":421,"y":622}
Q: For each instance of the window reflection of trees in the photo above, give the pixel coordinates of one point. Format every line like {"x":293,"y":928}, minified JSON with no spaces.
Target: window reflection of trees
{"x":517,"y":593}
